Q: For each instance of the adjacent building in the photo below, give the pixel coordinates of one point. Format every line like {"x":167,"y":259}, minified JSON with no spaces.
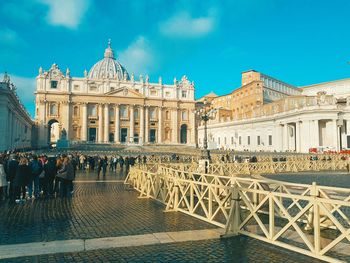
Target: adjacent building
{"x":266,"y":114}
{"x":16,"y":124}
{"x":108,"y":105}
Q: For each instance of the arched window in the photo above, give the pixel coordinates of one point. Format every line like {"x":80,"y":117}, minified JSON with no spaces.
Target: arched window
{"x":53,"y":109}
{"x":136,"y":114}
{"x":75,"y":111}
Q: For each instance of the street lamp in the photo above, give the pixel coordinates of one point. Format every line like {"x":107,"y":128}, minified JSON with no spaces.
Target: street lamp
{"x":206,"y":113}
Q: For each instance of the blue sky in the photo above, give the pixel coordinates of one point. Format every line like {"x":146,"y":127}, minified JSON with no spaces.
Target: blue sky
{"x":300,"y":42}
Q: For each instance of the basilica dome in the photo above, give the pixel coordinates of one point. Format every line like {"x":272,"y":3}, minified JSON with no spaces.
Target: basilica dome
{"x":108,"y":67}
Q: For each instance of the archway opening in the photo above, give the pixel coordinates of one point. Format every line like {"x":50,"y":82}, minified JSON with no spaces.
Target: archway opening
{"x":53,"y":128}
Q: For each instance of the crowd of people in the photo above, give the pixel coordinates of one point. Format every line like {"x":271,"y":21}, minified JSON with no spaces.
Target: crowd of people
{"x":27,"y":176}
{"x":24,"y":176}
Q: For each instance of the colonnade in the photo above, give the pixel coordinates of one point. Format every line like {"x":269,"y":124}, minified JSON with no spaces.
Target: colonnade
{"x":144,"y":122}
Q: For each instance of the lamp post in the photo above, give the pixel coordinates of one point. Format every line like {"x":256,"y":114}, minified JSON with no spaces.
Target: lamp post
{"x":206,"y":113}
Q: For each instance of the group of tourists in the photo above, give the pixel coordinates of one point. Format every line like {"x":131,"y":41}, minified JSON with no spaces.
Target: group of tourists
{"x":27,"y":176}
{"x":24,"y":176}
{"x":92,"y":163}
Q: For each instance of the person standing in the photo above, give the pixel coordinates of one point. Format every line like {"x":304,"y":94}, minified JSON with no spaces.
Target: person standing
{"x":104,"y":166}
{"x":36,"y":169}
{"x":50,"y":169}
{"x":22,"y":177}
{"x":3,"y":181}
{"x":62,"y":175}
{"x":70,"y":177}
{"x":10,"y":175}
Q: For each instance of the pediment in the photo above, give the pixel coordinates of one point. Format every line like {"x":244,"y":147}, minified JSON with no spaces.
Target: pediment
{"x":124,"y":92}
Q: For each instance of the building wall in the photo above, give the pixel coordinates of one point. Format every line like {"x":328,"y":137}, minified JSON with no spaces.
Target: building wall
{"x":292,"y":124}
{"x":16,"y":125}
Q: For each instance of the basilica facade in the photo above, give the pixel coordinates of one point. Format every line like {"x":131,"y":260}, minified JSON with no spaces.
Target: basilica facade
{"x":108,"y":105}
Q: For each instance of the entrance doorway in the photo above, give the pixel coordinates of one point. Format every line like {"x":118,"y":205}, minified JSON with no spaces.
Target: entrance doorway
{"x":92,"y":134}
{"x":53,"y":132}
{"x":183,"y":133}
{"x":123,"y":135}
{"x":152,"y":135}
{"x":111,"y":137}
{"x":136,"y":138}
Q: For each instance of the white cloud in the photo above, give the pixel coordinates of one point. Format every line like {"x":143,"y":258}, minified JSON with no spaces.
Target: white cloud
{"x":25,"y":88}
{"x":67,"y":13}
{"x":8,"y":37}
{"x":138,"y":57}
{"x":182,"y":25}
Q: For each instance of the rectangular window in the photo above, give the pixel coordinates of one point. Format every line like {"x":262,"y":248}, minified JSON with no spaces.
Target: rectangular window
{"x":231,"y":140}
{"x":153,"y":93}
{"x":123,"y":112}
{"x":258,"y":139}
{"x":248,"y":140}
{"x":92,"y":110}
{"x":184,"y":116}
{"x":54,"y":84}
{"x":152,"y":113}
{"x":76,"y":87}
{"x":167,"y":94}
{"x":93,"y":88}
{"x":136,"y":114}
{"x":270,"y":140}
{"x":240,"y":140}
{"x":184,"y":94}
{"x":224,"y":140}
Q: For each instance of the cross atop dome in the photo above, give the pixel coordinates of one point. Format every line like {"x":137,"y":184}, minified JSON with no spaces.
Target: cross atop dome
{"x":109,"y":51}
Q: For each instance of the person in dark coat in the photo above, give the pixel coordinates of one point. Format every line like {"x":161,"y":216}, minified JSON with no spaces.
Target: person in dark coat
{"x":50,"y":169}
{"x":21,"y":179}
{"x":71,"y":169}
{"x":36,"y":169}
{"x":104,"y":165}
{"x":11,"y":170}
{"x":121,"y":161}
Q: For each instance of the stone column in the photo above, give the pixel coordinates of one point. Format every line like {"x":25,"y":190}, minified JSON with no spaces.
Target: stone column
{"x":106,"y":123}
{"x":132,"y":123}
{"x":69,"y":117}
{"x":117,"y":125}
{"x":84,"y":123}
{"x":100,"y":123}
{"x":285,"y":137}
{"x":297,"y":136}
{"x":335,"y":134}
{"x":175,"y":128}
{"x":146,"y":139}
{"x":193,"y":128}
{"x":160,"y":125}
{"x":316,"y":133}
{"x":142,"y":125}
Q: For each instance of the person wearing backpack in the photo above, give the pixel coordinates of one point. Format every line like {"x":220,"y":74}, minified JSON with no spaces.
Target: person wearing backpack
{"x":36,"y":168}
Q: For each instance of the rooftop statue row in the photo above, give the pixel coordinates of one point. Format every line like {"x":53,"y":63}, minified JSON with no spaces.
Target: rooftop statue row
{"x":55,"y":73}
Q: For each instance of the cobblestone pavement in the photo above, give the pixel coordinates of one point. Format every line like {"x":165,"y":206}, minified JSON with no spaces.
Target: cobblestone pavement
{"x":236,"y":249}
{"x":96,"y":210}
{"x":105,"y":209}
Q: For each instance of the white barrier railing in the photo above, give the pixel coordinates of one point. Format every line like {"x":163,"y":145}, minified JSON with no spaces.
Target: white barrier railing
{"x":293,"y":216}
